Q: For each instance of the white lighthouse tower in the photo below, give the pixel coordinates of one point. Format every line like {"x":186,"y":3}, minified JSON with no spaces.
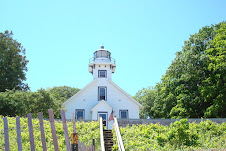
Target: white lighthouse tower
{"x":102,"y":96}
{"x":102,"y":65}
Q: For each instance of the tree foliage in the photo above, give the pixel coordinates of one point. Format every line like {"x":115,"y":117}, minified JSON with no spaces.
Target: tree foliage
{"x":12,"y":63}
{"x":62,"y":93}
{"x":194,"y":84}
{"x":21,"y":103}
{"x":180,"y":135}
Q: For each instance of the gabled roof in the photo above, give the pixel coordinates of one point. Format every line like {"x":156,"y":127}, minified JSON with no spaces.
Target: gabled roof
{"x":111,"y":82}
{"x":79,"y":92}
{"x":101,"y":103}
{"x":132,"y":99}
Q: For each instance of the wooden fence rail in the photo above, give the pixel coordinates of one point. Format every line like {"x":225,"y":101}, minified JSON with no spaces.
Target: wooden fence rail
{"x":81,"y":146}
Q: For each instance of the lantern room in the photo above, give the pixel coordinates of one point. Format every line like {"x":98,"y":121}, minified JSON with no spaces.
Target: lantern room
{"x":102,"y":60}
{"x":102,"y":53}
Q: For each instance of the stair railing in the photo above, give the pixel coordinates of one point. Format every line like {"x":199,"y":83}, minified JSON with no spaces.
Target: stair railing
{"x":118,"y":135}
{"x":101,"y":135}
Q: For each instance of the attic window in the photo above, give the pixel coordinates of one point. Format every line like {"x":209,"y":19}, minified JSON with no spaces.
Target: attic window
{"x":102,"y":73}
{"x":102,"y":93}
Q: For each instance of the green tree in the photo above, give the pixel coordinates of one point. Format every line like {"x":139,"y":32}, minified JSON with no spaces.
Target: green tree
{"x":146,"y":97}
{"x":62,"y":93}
{"x":13,"y":103}
{"x":214,"y":90}
{"x":12,"y":63}
{"x":188,"y":74}
{"x":194,"y":84}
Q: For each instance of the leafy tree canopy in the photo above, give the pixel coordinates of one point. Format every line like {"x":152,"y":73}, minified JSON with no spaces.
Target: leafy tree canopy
{"x":194,"y":84}
{"x":20,"y":103}
{"x":12,"y":63}
{"x":62,"y":93}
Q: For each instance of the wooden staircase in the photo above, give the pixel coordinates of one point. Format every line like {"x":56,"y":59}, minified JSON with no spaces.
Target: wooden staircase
{"x":108,"y":140}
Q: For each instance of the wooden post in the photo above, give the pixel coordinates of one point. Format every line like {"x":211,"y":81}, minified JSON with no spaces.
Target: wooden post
{"x":74,"y":136}
{"x":31,"y":135}
{"x":74,"y":141}
{"x":18,"y":131}
{"x":6,"y":132}
{"x":53,"y":130}
{"x":93,"y":146}
{"x":63,"y":117}
{"x":74,"y":126}
{"x":43,"y":138}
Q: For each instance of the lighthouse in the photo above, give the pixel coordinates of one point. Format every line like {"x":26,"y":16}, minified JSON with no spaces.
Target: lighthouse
{"x":102,"y":97}
{"x":102,"y":65}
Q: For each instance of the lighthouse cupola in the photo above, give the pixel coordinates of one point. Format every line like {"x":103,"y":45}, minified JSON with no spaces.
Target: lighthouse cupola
{"x":102,"y":65}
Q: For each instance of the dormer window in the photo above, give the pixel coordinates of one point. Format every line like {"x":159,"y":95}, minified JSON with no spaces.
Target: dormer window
{"x":102,"y":73}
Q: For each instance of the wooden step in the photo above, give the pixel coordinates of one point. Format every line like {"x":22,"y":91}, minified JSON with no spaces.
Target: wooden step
{"x":107,"y":133}
{"x":108,"y":130}
{"x":108,"y":140}
{"x":108,"y":136}
{"x":109,"y":144}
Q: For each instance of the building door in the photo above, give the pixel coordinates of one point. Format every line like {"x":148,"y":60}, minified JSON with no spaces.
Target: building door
{"x":104,"y":116}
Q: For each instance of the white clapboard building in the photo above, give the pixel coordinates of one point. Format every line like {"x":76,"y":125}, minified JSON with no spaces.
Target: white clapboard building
{"x":102,"y":96}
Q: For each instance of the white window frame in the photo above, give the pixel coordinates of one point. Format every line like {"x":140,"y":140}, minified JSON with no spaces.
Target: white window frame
{"x":120,"y":114}
{"x":77,"y":110}
{"x":105,"y":74}
{"x":105,"y":88}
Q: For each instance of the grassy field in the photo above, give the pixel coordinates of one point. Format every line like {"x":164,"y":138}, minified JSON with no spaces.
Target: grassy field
{"x":180,"y":135}
{"x":86,"y":130}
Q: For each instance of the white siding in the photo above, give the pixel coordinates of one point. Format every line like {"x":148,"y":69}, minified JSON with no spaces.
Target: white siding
{"x":102,"y":67}
{"x":89,"y":98}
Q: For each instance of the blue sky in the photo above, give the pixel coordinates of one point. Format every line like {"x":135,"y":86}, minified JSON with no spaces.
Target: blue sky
{"x":143,"y":36}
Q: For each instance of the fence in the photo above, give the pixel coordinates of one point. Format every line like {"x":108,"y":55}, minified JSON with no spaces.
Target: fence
{"x":76,"y":144}
{"x":130,"y":122}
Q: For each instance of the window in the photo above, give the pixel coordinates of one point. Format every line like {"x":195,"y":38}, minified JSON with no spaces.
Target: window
{"x":104,"y":116}
{"x":123,"y":114}
{"x":102,"y":93}
{"x":102,"y":74}
{"x":102,"y":54}
{"x":80,"y":114}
